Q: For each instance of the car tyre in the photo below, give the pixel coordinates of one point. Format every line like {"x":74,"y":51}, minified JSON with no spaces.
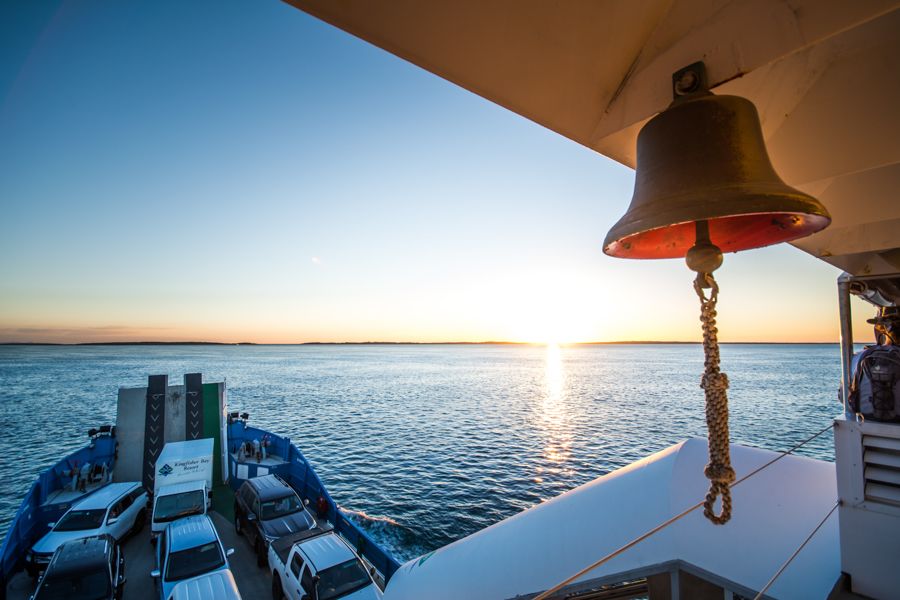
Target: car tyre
{"x":277,"y":592}
{"x":261,"y":558}
{"x":237,"y":522}
{"x":139,"y":522}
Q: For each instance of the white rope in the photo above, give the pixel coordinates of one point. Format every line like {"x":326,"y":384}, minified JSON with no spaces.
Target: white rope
{"x":636,"y":541}
{"x":796,"y":552}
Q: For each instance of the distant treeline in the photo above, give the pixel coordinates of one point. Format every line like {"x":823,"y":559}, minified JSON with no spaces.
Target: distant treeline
{"x":489,"y":343}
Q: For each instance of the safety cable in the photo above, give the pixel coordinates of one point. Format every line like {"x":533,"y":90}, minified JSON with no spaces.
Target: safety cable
{"x":663,"y":525}
{"x":796,"y":552}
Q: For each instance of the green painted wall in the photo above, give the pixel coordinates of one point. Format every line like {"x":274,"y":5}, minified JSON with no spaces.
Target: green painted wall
{"x":212,"y":428}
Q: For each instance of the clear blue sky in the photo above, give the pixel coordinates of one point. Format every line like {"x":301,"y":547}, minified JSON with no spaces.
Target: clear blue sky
{"x":240,"y":171}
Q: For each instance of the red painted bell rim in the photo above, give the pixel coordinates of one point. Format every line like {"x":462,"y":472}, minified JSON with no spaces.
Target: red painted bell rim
{"x":730,"y":234}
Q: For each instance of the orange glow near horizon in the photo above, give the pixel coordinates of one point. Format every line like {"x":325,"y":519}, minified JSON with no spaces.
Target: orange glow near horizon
{"x":530,"y":321}
{"x":544,"y":304}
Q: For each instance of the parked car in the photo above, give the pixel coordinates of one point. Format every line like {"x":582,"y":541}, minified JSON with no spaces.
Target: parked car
{"x":91,"y":568}
{"x":219,"y":585}
{"x":319,"y":565}
{"x":266,"y":508}
{"x":117,"y":509}
{"x":187,"y":548}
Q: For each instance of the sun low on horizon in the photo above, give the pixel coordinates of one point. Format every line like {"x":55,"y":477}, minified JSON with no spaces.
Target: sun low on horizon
{"x":266,"y":178}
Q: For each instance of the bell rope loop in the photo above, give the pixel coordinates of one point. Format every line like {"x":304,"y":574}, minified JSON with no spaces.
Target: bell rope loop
{"x":714,"y":384}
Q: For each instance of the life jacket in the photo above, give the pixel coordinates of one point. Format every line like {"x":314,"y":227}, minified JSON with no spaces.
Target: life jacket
{"x":875,"y":387}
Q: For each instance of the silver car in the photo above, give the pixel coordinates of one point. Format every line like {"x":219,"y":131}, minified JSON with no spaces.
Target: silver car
{"x":116,"y":509}
{"x":186,"y":549}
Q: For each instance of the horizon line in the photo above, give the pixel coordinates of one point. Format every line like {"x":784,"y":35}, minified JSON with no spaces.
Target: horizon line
{"x":387,"y":343}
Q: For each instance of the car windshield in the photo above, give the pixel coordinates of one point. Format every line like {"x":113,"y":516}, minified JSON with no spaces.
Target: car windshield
{"x":194,"y":561}
{"x":78,"y":520}
{"x":93,"y":585}
{"x":279,"y":507}
{"x":342,"y":579}
{"x":169,"y":508}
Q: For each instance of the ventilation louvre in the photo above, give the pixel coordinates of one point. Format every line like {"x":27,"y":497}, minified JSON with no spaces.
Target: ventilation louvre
{"x":882,"y":474}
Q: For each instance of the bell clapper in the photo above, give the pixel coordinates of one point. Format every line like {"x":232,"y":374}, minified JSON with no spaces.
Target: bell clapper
{"x":703,"y":257}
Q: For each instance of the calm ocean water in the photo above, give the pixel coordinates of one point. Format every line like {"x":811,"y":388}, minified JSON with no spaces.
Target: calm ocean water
{"x":431,"y":443}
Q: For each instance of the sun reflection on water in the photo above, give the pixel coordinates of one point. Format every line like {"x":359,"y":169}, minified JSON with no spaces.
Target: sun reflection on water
{"x":554,"y":418}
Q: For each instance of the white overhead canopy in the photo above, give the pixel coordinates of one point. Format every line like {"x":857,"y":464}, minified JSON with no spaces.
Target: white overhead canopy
{"x":824,"y":74}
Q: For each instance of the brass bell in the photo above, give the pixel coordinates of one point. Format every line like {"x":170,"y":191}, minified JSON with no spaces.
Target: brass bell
{"x":704,"y":159}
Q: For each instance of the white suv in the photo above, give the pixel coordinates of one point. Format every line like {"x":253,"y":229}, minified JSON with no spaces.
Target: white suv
{"x":116,"y":509}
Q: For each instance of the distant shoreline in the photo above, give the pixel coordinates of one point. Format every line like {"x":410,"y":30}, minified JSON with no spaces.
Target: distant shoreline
{"x":487,"y":343}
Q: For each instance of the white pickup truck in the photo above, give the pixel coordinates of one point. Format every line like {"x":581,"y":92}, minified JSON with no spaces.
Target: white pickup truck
{"x":319,"y":565}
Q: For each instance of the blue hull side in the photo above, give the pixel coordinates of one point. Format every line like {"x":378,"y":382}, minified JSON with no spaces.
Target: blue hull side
{"x":35,"y":512}
{"x":297,"y":471}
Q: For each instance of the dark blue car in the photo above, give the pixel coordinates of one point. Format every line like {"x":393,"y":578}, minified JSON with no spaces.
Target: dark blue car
{"x":90,"y":568}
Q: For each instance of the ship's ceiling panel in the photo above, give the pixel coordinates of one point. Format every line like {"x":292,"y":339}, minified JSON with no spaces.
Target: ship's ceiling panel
{"x":557,"y":63}
{"x":824,"y":74}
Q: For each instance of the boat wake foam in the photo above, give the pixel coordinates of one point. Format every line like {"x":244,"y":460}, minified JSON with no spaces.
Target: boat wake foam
{"x":398,"y":539}
{"x":366,"y":517}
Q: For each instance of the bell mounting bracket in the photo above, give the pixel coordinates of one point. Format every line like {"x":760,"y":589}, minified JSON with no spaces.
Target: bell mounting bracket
{"x":689,"y":80}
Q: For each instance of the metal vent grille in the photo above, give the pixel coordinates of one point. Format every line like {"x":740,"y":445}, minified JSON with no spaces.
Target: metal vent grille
{"x":882,"y":459}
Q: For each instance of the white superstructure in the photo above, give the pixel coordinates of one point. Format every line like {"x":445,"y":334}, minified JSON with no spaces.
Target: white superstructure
{"x":534,"y":550}
{"x":868,"y":476}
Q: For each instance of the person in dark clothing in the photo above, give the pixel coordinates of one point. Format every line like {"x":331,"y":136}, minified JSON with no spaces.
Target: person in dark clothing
{"x":887,"y":326}
{"x":321,"y":507}
{"x":875,"y":381}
